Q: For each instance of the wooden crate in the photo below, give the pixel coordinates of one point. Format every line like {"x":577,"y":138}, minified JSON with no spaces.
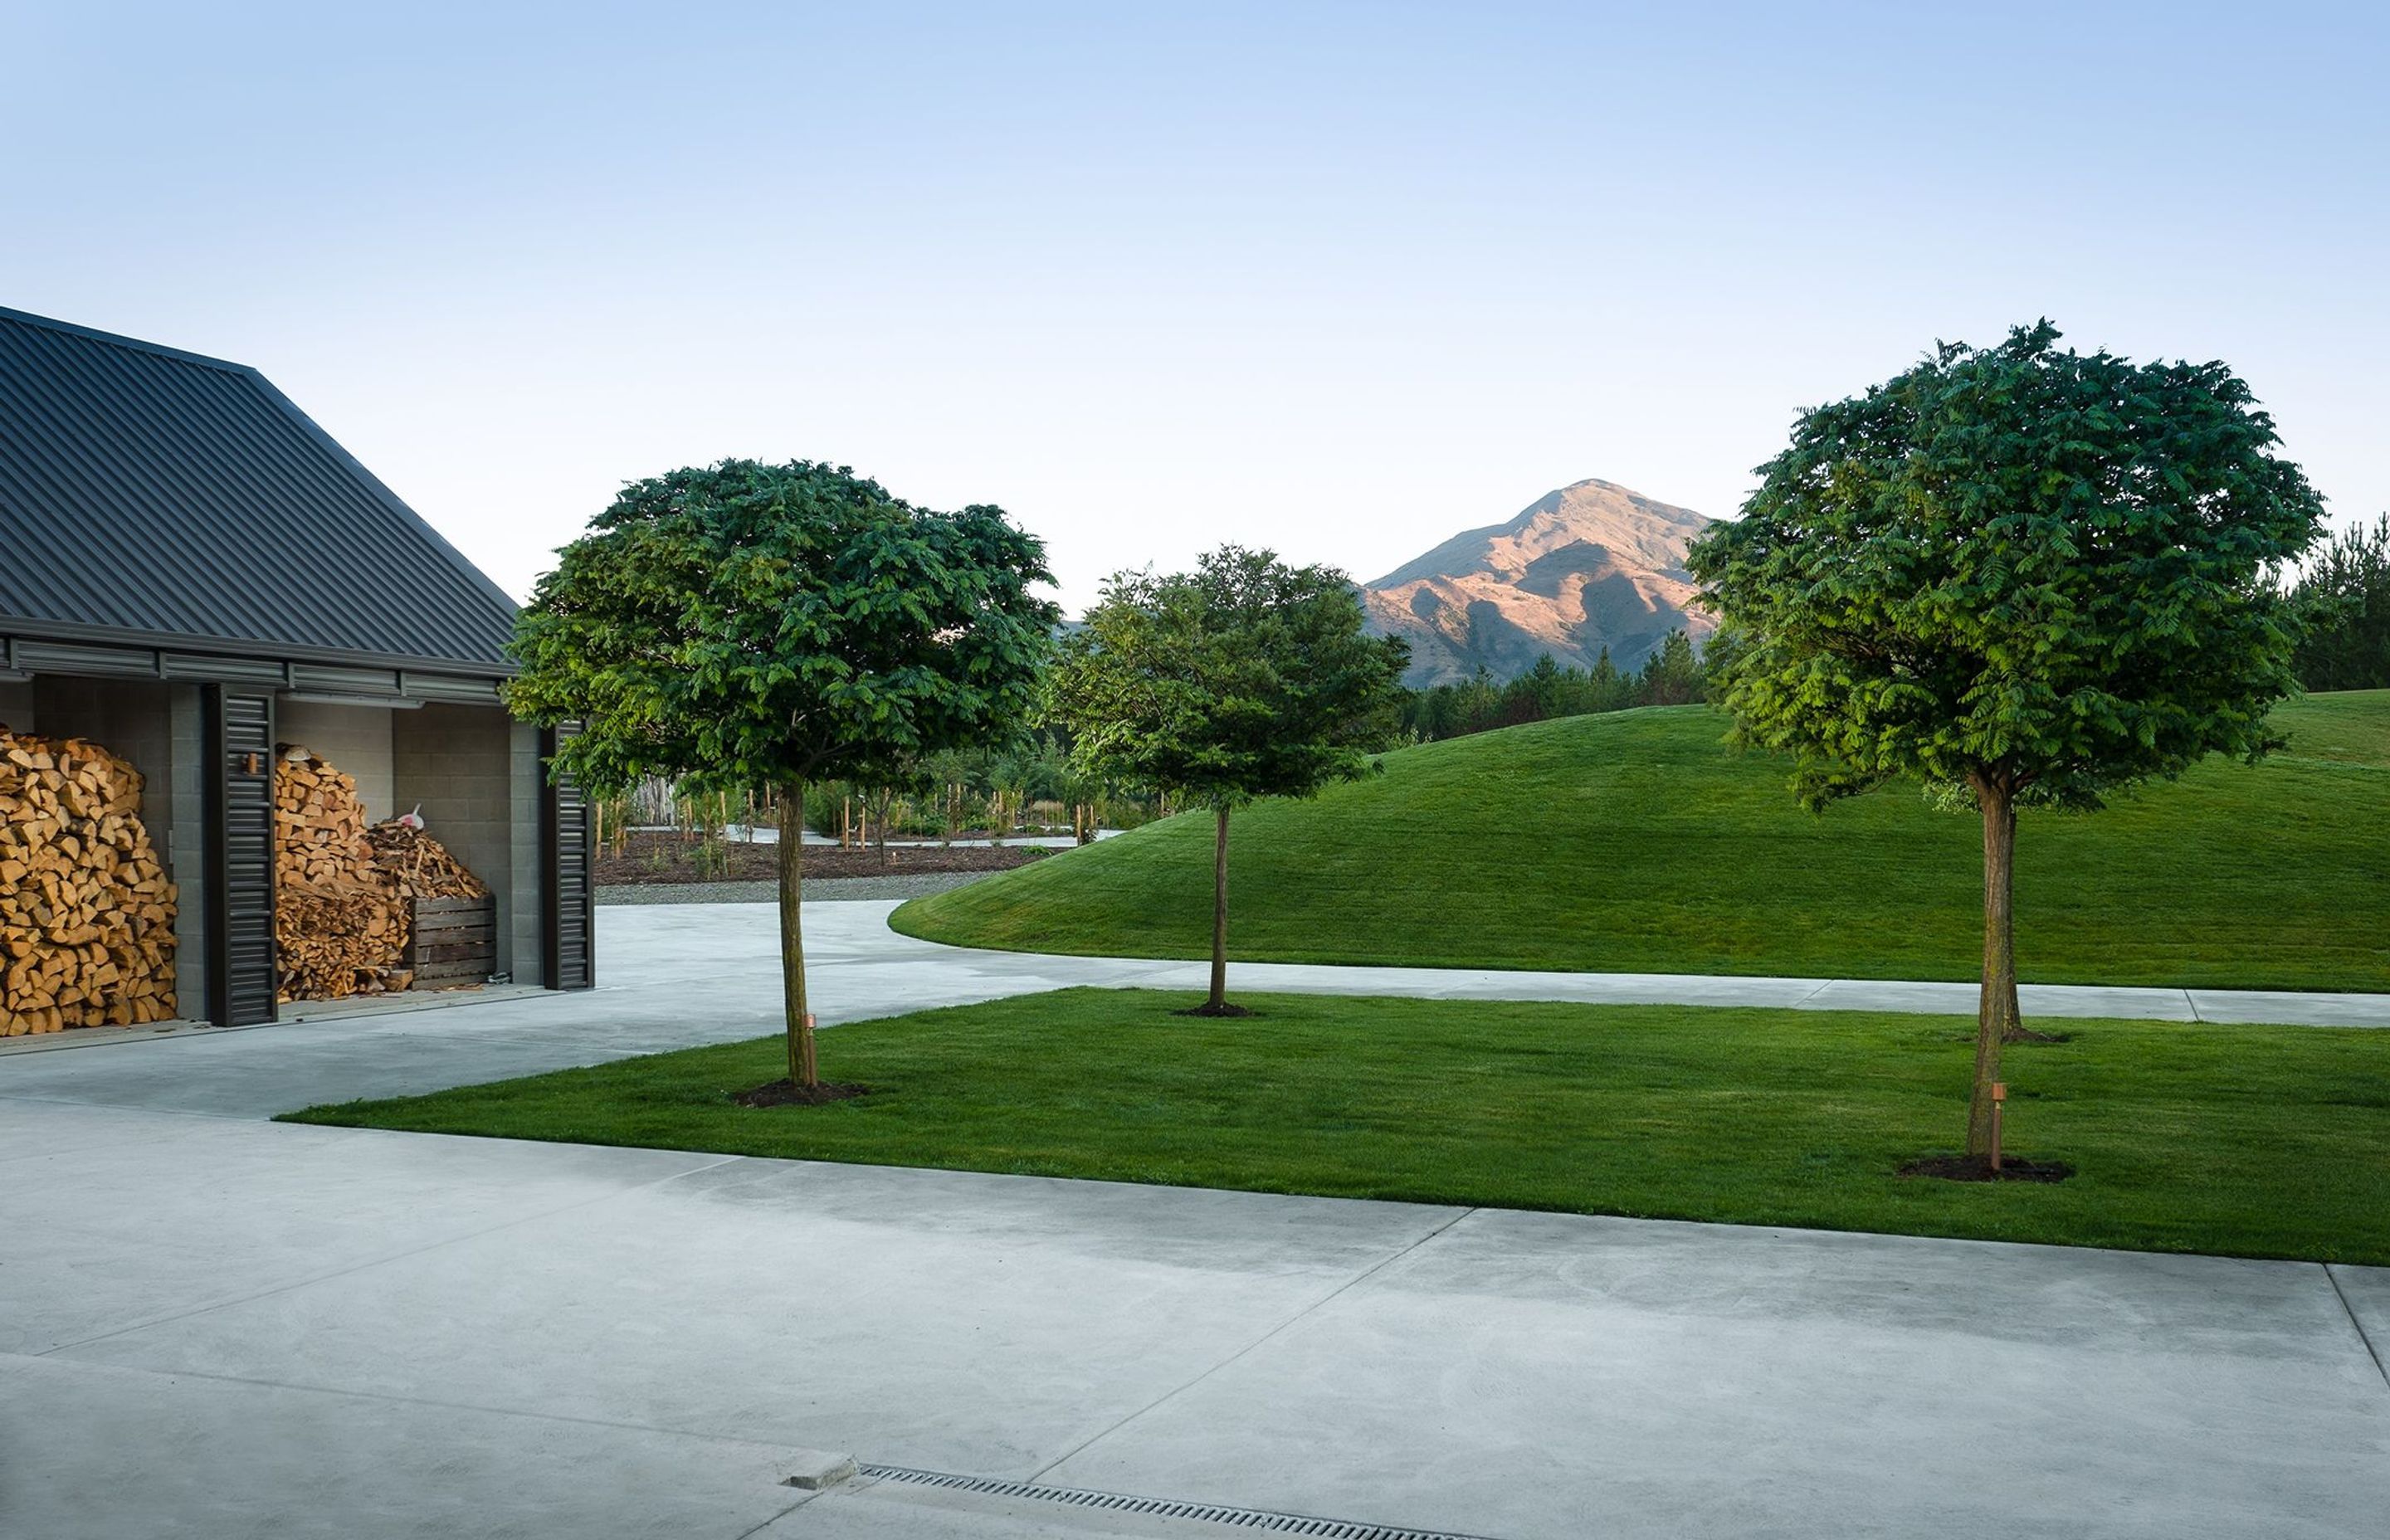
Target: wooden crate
{"x":453,"y":942}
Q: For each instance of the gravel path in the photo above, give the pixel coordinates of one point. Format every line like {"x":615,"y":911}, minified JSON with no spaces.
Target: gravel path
{"x":817,"y":890}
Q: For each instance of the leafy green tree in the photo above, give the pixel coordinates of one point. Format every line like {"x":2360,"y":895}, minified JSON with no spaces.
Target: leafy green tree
{"x":751,"y":627}
{"x":1719,"y":654}
{"x":2344,"y":600}
{"x":1245,"y":678}
{"x":2035,"y":575}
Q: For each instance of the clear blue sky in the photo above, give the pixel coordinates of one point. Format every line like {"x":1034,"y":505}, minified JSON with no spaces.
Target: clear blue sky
{"x":1340,"y":279}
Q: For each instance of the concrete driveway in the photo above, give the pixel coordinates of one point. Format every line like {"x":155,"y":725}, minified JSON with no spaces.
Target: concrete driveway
{"x":674,"y":975}
{"x":212,"y":1326}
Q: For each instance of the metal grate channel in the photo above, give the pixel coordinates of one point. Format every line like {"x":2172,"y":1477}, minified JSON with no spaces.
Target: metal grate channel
{"x":1261,"y":1520}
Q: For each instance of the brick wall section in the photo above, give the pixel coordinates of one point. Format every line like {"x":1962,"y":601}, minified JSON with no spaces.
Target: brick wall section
{"x":458,"y":762}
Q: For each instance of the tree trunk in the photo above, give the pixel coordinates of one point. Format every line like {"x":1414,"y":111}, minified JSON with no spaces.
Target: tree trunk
{"x":1219,"y":1000}
{"x":1998,"y":1020}
{"x":802,"y":1071}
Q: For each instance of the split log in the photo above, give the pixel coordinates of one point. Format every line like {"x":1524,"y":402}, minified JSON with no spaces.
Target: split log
{"x":339,"y":928}
{"x":86,"y":910}
{"x":420,"y":866}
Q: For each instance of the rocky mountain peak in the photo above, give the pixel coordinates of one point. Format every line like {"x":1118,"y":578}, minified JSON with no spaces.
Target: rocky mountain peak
{"x":1589,"y":566}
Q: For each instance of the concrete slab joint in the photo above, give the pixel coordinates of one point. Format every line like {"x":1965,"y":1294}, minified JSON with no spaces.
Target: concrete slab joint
{"x":811,"y":1469}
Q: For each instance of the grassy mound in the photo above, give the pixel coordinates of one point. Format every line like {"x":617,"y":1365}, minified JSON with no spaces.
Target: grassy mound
{"x":1640,"y":843}
{"x":2257,"y":1141}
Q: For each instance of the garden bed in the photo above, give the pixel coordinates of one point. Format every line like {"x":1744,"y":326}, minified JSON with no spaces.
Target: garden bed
{"x":649,"y":857}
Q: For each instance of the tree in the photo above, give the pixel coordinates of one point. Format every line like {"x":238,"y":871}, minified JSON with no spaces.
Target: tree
{"x":2344,"y":601}
{"x":1717,"y":664}
{"x":751,"y":627}
{"x":1245,"y":678}
{"x":1610,"y":689}
{"x":1672,"y":676}
{"x":2031,"y":575}
{"x":946,"y":771}
{"x":875,"y":799}
{"x":1539,"y":691}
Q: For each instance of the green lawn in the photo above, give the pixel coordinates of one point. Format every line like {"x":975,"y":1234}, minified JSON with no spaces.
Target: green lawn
{"x":1638,"y":841}
{"x":2259,"y":1141}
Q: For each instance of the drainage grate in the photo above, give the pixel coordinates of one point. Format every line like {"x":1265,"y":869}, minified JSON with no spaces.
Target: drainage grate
{"x":1258,"y":1519}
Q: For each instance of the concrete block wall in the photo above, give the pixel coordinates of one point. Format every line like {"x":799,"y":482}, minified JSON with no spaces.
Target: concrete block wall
{"x":356,"y":740}
{"x":458,"y":762}
{"x":17,"y":704}
{"x":128,"y":717}
{"x":187,"y":791}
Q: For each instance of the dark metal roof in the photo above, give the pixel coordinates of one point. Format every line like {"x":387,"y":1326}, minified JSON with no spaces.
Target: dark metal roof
{"x":156,"y":497}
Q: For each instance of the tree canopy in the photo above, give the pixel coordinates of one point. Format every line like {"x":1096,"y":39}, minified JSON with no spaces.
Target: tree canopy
{"x":1245,"y":678}
{"x":2038,"y":566}
{"x":2034,"y":573}
{"x":2343,"y":602}
{"x":1673,"y":675}
{"x":751,"y":626}
{"x":745,"y":626}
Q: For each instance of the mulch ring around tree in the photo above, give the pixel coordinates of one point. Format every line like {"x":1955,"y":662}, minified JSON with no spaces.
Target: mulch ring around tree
{"x":787,"y":1093}
{"x":1974,"y":1168}
{"x":1208,"y":1009}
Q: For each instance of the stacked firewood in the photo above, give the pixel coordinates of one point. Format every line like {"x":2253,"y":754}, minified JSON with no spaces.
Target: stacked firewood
{"x":345,"y":889}
{"x":86,"y":912}
{"x":319,"y":825}
{"x":339,"y":927}
{"x":419,"y":865}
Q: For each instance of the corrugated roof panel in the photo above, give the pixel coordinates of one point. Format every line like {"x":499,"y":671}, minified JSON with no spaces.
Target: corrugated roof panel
{"x":171,"y":497}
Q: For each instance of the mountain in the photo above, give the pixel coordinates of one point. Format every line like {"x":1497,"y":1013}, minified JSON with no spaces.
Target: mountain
{"x":1590,"y":566}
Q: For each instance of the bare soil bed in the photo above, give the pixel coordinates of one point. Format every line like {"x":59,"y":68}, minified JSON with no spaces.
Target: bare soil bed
{"x":787,"y":1093}
{"x":651,"y":858}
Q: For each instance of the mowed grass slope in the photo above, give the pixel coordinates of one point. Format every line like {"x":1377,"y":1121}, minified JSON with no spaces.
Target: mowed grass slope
{"x":1638,"y":841}
{"x":2260,"y":1141}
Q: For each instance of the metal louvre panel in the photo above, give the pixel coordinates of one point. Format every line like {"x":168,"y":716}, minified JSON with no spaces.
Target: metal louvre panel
{"x":230,"y":670}
{"x":571,"y":897}
{"x":438,"y":687}
{"x":112,"y":663}
{"x":344,"y":681}
{"x":240,"y":952}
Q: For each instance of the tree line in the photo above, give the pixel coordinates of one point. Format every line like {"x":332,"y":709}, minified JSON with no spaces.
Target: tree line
{"x":1673,"y":675}
{"x":2342,"y":599}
